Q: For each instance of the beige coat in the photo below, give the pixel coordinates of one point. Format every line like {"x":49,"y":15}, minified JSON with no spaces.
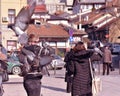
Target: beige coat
{"x":107,"y":56}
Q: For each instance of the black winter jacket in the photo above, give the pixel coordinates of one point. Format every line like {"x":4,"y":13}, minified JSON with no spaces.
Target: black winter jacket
{"x":80,"y":69}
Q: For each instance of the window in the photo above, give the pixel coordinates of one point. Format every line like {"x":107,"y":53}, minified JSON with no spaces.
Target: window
{"x":11,"y":45}
{"x":69,"y":2}
{"x":11,"y":15}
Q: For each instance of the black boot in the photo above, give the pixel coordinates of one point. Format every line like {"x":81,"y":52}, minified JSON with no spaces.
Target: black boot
{"x":111,"y":68}
{"x":69,"y":86}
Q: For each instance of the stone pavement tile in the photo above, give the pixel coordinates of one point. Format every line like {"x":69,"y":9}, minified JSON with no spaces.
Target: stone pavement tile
{"x":54,"y":86}
{"x":110,"y":85}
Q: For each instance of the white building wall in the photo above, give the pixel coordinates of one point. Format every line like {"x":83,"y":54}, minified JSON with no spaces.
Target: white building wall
{"x":52,"y":1}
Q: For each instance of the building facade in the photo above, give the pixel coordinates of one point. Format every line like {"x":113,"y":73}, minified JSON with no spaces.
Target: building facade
{"x":8,"y":10}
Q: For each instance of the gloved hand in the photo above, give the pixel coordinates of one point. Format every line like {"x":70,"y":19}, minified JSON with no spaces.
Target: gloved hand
{"x":98,"y":51}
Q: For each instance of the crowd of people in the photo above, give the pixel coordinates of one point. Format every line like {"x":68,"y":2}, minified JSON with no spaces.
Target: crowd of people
{"x":78,"y":73}
{"x":78,"y":59}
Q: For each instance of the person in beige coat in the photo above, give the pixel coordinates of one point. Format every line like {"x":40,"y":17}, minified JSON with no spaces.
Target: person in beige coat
{"x":107,"y":60}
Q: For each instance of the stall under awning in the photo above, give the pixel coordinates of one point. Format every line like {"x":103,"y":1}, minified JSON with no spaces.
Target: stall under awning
{"x":91,"y":19}
{"x":105,"y":24}
{"x":102,"y":17}
{"x":103,"y":21}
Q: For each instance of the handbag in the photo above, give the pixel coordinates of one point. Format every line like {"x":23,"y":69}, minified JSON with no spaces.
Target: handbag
{"x":96,"y":82}
{"x":96,"y":85}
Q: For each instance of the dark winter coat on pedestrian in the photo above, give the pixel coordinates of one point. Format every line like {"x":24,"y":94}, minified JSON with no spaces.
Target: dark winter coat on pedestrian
{"x":68,"y":77}
{"x":67,"y":61}
{"x":80,"y":69}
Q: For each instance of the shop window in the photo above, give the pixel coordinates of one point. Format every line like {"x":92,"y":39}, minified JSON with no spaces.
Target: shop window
{"x":11,"y":16}
{"x":11,"y":45}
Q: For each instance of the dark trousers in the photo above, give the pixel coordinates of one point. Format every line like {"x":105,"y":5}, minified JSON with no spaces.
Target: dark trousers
{"x":89,"y":94}
{"x":106,"y":66}
{"x":32,"y":86}
{"x":69,"y":87}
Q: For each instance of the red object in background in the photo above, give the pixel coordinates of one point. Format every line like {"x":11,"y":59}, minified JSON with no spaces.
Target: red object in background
{"x":107,"y":35}
{"x":40,"y":8}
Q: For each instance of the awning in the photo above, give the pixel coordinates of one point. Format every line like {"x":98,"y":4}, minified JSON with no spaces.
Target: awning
{"x":79,"y":33}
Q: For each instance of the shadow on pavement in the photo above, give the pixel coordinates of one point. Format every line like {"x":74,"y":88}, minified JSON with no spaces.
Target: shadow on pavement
{"x":60,"y":77}
{"x":12,"y":82}
{"x":54,"y":88}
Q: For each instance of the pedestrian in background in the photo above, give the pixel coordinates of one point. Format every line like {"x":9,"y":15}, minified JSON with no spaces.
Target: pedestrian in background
{"x":107,"y":60}
{"x":79,"y":69}
{"x":96,"y":58}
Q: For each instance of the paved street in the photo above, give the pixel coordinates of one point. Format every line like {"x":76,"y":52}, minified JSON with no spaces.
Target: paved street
{"x":55,"y":85}
{"x":51,"y":86}
{"x":110,"y":85}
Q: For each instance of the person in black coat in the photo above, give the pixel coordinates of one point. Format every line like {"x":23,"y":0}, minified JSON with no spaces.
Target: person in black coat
{"x":79,"y":69}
